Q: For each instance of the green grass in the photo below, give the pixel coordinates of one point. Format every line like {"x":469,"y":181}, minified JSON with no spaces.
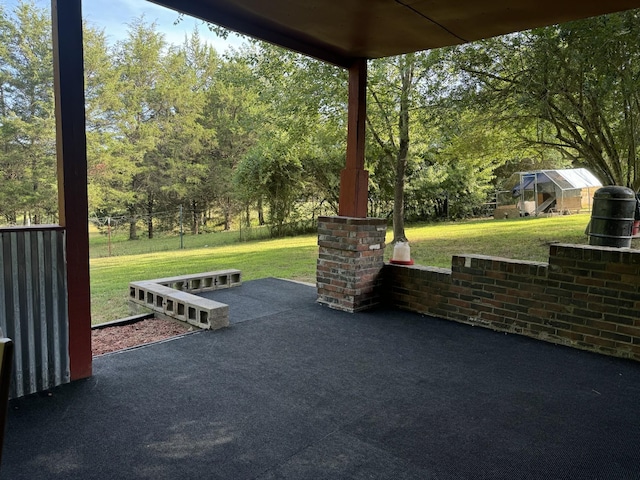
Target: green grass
{"x":295,"y":258}
{"x":521,"y":238}
{"x":165,"y":242}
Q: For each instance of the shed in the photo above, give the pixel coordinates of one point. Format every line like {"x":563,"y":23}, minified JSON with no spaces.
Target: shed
{"x":540,"y":192}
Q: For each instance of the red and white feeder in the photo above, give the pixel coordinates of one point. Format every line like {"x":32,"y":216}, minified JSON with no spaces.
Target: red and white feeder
{"x":401,"y":254}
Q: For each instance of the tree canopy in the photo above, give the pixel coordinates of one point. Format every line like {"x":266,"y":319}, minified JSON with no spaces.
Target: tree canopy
{"x":572,"y":88}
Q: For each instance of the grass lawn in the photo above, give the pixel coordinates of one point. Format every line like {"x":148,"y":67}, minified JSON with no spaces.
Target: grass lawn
{"x":522,"y":238}
{"x":164,"y":242}
{"x":295,"y":258}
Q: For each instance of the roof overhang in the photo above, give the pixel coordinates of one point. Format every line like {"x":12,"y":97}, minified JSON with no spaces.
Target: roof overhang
{"x":340,"y":31}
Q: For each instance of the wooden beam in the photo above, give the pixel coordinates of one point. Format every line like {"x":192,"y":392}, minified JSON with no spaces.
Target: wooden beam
{"x":354,"y":179}
{"x":246,"y":23}
{"x":66,"y":16}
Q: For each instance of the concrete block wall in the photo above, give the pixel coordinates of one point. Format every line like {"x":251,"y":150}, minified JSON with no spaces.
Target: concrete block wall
{"x":174,"y":297}
{"x":203,"y":282}
{"x":585,"y":297}
{"x":350,"y":261}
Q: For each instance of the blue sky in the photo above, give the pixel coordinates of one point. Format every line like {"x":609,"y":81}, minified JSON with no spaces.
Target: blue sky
{"x":114,"y":15}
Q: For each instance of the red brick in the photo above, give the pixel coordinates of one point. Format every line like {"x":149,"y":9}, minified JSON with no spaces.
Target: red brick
{"x":598,"y":341}
{"x":516,"y":296}
{"x":606,"y":275}
{"x":616,"y":336}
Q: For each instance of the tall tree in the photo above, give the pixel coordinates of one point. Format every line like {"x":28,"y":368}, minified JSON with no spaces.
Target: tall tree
{"x":394,"y":92}
{"x":144,"y":112}
{"x":107,"y":175}
{"x":192,"y":166}
{"x":27,"y":124}
{"x":234,"y":111}
{"x":578,"y":78}
{"x":304,"y":121}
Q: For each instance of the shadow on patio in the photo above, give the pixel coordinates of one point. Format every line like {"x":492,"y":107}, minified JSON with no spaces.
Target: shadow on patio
{"x":295,"y":390}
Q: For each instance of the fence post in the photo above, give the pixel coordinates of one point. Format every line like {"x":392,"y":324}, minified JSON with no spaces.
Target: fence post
{"x":181,"y":230}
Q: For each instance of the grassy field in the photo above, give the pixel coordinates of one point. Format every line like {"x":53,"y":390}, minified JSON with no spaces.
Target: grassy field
{"x":521,"y":238}
{"x":295,"y":258}
{"x":163,"y":242}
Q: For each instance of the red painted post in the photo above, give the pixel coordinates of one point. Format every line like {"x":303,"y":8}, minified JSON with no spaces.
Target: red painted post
{"x":66,"y":16}
{"x":354,"y":179}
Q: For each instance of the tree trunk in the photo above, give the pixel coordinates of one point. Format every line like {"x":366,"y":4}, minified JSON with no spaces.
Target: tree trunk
{"x":133,"y":233}
{"x":227,"y":215}
{"x":35,"y":186}
{"x":260,"y":212}
{"x":150,"y":218}
{"x":406,"y":74}
{"x":195,"y":219}
{"x":247,"y":216}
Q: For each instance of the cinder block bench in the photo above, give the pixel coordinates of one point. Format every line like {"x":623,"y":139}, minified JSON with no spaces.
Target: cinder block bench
{"x":173,"y":297}
{"x":203,"y":282}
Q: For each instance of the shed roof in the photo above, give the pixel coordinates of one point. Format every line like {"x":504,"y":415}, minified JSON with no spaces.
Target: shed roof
{"x":564,"y":179}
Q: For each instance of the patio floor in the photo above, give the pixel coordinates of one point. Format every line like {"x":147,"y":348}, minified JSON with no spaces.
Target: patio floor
{"x":294,"y":390}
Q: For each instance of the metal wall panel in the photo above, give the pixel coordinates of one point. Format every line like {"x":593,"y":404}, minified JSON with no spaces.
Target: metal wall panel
{"x":33,"y":307}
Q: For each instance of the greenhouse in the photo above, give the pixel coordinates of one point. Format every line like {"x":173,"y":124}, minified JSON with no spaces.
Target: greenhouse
{"x":546,"y":192}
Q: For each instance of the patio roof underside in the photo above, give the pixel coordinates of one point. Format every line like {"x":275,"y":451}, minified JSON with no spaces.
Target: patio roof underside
{"x":339,"y":31}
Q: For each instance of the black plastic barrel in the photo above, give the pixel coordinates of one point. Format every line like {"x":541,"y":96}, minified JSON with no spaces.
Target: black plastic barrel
{"x":612,"y":217}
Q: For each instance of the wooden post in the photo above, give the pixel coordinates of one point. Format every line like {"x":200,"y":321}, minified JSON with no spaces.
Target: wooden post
{"x":66,"y":16}
{"x":354,"y":179}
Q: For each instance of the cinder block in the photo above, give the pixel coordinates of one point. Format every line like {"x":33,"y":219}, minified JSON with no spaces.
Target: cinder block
{"x":173,"y":297}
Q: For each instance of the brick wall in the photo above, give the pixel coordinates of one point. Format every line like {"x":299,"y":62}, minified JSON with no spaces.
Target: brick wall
{"x":350,"y":261}
{"x":586,"y":297}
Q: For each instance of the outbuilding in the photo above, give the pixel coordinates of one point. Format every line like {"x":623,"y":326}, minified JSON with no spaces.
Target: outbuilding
{"x":543,"y":192}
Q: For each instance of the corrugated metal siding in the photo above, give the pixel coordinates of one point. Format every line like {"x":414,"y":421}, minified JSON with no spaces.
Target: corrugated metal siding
{"x":33,"y":309}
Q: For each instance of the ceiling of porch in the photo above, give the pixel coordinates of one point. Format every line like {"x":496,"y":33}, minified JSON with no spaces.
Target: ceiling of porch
{"x":338,"y":31}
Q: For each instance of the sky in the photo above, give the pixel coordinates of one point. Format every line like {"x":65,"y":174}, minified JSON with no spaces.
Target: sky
{"x":114,"y":15}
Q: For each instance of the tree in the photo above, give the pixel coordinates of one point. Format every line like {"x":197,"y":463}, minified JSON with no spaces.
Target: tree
{"x":234,"y":111}
{"x":456,"y":176}
{"x":303,"y":126}
{"x":192,"y":166}
{"x":274,"y":171}
{"x":155,"y":119}
{"x":107,"y":174}
{"x":27,"y":119}
{"x":580,"y":79}
{"x":397,"y":86}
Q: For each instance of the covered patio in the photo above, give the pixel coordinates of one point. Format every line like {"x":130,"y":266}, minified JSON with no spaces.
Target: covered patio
{"x":295,"y":390}
{"x":307,"y":389}
{"x":345,"y":33}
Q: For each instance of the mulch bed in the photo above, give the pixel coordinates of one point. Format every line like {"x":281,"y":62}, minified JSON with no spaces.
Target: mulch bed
{"x":111,"y":339}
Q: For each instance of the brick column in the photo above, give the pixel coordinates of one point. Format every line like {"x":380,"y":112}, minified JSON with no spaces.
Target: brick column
{"x":350,"y":261}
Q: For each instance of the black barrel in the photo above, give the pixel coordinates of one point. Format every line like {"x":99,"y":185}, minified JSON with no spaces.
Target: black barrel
{"x":612,"y":217}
